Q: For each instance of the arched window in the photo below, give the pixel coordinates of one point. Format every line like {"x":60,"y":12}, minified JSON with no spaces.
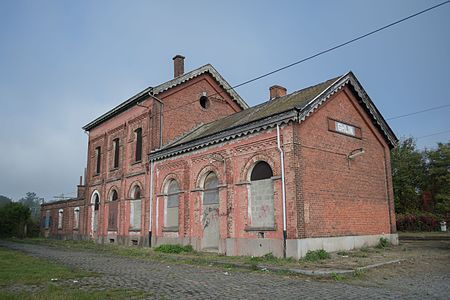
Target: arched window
{"x":261,"y":197}
{"x":135,"y":208}
{"x":76,"y":217}
{"x":261,"y":171}
{"x":171,"y":206}
{"x":210,"y":190}
{"x":60,"y":219}
{"x":95,"y":200}
{"x":112,"y":210}
{"x":210,"y":213}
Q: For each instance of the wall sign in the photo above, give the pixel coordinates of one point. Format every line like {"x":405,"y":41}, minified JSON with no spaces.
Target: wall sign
{"x":344,"y":128}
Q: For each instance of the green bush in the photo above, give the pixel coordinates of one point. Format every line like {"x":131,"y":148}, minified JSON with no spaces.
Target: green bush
{"x":316,"y":255}
{"x":174,"y":248}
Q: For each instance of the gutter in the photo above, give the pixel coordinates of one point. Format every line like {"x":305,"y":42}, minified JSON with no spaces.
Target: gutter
{"x":283,"y":190}
{"x":151,"y":205}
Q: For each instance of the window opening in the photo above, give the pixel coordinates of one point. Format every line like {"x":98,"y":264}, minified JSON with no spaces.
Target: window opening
{"x":116,"y":153}
{"x":138,"y":153}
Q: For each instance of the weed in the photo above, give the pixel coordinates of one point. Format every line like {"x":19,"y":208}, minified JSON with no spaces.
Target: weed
{"x":337,"y":277}
{"x":358,"y":273}
{"x":316,"y":255}
{"x":342,"y":253}
{"x":174,"y":249}
{"x":383,"y":243}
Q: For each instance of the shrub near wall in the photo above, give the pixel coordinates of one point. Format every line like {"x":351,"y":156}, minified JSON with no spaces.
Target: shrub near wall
{"x":418,"y":222}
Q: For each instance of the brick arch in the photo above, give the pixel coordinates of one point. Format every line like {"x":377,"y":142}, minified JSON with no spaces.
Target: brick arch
{"x":111,"y":189}
{"x":132,"y":186}
{"x":96,"y":192}
{"x":201,"y":175}
{"x":167,"y":179}
{"x":248,"y":167}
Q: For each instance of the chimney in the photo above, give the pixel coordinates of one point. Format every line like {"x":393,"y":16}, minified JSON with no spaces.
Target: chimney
{"x":277,"y":91}
{"x":178,"y":65}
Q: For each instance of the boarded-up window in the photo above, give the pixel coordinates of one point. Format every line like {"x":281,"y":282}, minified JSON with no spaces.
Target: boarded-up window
{"x":211,"y":192}
{"x":112,"y":206}
{"x":261,"y":196}
{"x":47,"y":219}
{"x":135,"y":208}
{"x":138,"y":153}
{"x":95,"y":213}
{"x":76,"y":217}
{"x":116,"y":153}
{"x":98,"y":157}
{"x":60,"y":218}
{"x":172,"y":202}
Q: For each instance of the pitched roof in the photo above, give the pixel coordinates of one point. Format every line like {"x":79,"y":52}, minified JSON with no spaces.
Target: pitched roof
{"x":166,"y":86}
{"x":295,"y":106}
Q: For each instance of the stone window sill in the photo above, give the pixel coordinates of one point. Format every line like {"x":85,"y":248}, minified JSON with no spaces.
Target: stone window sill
{"x":136,"y":162}
{"x":248,"y":228}
{"x":134,"y":229}
{"x":170,"y":229}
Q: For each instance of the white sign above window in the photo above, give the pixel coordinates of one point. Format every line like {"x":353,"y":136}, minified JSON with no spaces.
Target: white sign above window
{"x":345,"y":129}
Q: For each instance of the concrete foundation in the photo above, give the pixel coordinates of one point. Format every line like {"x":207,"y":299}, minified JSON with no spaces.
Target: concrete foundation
{"x":298,"y":248}
{"x":253,"y":247}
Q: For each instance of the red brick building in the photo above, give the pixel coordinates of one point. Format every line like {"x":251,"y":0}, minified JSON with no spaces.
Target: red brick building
{"x":189,"y":162}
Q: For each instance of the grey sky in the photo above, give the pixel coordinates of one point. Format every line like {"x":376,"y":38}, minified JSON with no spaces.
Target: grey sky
{"x":63,"y":63}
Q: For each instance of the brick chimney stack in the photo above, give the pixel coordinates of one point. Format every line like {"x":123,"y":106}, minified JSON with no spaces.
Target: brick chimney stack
{"x":178,"y":65}
{"x":277,"y":91}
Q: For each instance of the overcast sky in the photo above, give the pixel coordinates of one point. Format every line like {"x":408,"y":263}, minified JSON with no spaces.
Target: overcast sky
{"x":63,"y":63}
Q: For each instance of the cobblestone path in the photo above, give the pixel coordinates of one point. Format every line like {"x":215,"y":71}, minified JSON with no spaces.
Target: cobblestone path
{"x":178,"y":281}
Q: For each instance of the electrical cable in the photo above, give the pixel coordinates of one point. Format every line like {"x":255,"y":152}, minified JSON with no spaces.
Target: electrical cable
{"x":418,"y":112}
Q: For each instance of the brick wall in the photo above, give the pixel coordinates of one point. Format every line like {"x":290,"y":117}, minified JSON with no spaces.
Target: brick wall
{"x":341,"y":196}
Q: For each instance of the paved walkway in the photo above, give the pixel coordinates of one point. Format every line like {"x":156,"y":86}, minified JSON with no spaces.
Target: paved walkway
{"x":169,"y":281}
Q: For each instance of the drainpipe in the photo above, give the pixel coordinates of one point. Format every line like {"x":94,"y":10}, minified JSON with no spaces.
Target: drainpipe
{"x":151,"y":205}
{"x":283,"y":190}
{"x":160,"y":118}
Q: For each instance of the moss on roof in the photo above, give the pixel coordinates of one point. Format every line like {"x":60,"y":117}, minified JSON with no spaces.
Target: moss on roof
{"x":298,"y":99}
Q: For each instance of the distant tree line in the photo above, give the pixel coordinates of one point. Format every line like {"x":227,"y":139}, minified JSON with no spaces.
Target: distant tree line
{"x":421,"y":180}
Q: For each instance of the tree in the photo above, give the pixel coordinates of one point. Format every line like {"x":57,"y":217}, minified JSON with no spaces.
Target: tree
{"x":32,"y":201}
{"x":408,"y":176}
{"x":14,"y":218}
{"x":438,"y":177}
{"x":4,"y":200}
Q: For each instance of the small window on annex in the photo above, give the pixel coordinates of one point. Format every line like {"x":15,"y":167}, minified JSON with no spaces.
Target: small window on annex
{"x":138,"y":152}
{"x":60,"y":218}
{"x":116,"y":150}
{"x":112,"y":208}
{"x":171,"y":206}
{"x":135,"y":208}
{"x":76,"y":217}
{"x":261,"y":197}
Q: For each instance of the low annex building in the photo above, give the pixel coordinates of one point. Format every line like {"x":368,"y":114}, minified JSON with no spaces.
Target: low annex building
{"x":189,"y":162}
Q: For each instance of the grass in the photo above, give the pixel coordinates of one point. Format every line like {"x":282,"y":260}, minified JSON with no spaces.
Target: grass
{"x":316,"y":255}
{"x":20,"y":270}
{"x":174,"y":249}
{"x":63,"y":293}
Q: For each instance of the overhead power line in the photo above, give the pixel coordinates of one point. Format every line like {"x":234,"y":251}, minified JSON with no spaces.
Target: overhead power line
{"x":432,"y":134}
{"x":337,"y":46}
{"x":418,"y":112}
